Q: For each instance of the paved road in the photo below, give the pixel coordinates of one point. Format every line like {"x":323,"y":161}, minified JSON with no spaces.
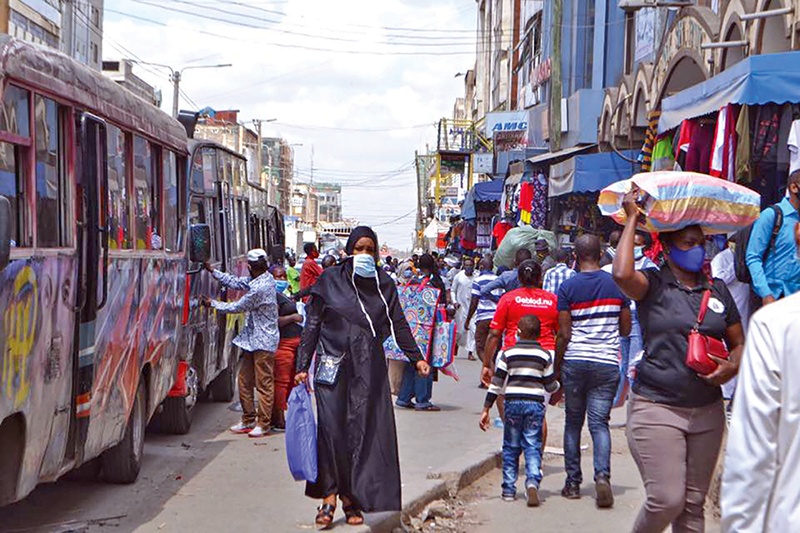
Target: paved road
{"x":211,"y":480}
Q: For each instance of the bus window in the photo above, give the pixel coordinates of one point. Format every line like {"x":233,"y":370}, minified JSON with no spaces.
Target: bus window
{"x":15,"y":118}
{"x":196,"y":178}
{"x":209,"y":169}
{"x":243,"y":232}
{"x":12,"y":186}
{"x":171,"y":222}
{"x":52,"y":193}
{"x":146,"y":196}
{"x":118,"y":214}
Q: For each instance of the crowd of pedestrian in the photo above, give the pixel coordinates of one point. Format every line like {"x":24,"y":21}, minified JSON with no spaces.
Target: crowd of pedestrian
{"x":590,"y":327}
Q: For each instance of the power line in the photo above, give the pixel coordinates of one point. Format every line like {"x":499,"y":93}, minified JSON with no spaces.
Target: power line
{"x":365,"y":130}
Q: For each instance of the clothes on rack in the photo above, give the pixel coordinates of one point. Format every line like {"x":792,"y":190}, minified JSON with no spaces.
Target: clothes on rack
{"x":539,"y":206}
{"x":525,"y":202}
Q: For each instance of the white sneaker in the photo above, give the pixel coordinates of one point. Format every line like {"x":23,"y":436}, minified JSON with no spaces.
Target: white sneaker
{"x":258,"y":432}
{"x":242,"y":428}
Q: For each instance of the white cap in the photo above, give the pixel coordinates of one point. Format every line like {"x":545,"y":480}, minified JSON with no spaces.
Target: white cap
{"x":256,"y":254}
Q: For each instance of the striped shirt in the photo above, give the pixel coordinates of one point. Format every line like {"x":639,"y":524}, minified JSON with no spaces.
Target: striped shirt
{"x":557,"y":275}
{"x":594,"y":301}
{"x":523,"y":372}
{"x":486,"y":306}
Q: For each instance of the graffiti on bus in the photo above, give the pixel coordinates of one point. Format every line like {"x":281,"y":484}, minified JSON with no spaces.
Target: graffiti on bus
{"x":20,"y":323}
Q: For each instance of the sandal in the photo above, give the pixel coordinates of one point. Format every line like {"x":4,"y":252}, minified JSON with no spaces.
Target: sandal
{"x":324,"y":519}
{"x":352,"y":512}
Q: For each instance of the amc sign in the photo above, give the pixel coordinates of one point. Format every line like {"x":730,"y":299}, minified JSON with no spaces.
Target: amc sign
{"x":507,"y":121}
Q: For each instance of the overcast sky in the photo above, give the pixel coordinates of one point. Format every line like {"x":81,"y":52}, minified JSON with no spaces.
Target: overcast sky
{"x":362,"y":81}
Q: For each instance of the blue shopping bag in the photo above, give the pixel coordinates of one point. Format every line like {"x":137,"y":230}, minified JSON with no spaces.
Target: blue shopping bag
{"x":301,"y":436}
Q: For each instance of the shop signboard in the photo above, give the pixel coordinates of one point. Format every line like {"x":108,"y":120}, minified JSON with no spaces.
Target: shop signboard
{"x":645,"y":33}
{"x":483,"y":163}
{"x":504,"y":122}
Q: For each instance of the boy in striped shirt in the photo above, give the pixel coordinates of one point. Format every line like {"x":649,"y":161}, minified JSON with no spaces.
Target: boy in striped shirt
{"x":525,"y":376}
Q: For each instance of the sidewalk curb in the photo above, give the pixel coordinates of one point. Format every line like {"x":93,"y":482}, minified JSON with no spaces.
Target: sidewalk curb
{"x":451,"y":483}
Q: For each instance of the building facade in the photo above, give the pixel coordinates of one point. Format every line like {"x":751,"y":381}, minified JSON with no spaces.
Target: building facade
{"x":278,"y":165}
{"x":329,"y":196}
{"x":121,"y":71}
{"x":37,"y":21}
{"x":82,"y":31}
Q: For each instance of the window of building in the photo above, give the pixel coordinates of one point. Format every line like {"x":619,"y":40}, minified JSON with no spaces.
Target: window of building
{"x":243,"y":228}
{"x":52,"y":193}
{"x":630,"y":41}
{"x":147,"y":197}
{"x":119,"y":234}
{"x":171,"y":200}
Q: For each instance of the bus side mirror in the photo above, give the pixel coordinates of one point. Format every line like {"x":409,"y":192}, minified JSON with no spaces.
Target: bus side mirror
{"x":5,"y":231}
{"x":199,"y":243}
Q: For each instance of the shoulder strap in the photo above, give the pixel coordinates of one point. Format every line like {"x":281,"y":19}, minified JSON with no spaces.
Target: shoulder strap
{"x":703,"y":308}
{"x":776,"y":229}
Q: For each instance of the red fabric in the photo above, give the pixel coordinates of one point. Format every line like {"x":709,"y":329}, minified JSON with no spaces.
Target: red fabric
{"x":310,"y":273}
{"x":284,"y":370}
{"x":655,"y":250}
{"x":520,"y":302}
{"x":500,"y":230}
{"x":526,"y":197}
{"x":731,"y":140}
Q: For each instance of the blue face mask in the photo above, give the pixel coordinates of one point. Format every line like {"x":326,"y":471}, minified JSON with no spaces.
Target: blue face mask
{"x":690,"y":260}
{"x":281,"y":285}
{"x":638,"y":252}
{"x":364,"y":266}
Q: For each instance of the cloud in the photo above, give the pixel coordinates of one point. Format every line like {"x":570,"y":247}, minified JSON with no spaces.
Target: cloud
{"x":304,"y":66}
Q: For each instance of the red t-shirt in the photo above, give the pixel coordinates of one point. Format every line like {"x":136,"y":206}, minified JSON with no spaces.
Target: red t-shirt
{"x":499,"y":231}
{"x":310,"y":273}
{"x":520,"y":302}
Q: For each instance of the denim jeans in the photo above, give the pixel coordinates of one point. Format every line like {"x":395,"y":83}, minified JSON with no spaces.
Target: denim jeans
{"x":522,"y":434}
{"x":589,"y":389}
{"x":630,"y":346}
{"x":415,"y":386}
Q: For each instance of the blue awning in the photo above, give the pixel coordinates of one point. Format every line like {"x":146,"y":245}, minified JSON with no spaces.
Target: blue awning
{"x":488,"y":191}
{"x":590,"y":173}
{"x":756,"y":80}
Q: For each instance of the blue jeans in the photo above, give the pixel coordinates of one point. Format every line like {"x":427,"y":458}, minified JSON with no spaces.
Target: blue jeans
{"x":630,"y":346}
{"x":522,"y":433}
{"x":589,"y":388}
{"x":415,"y":386}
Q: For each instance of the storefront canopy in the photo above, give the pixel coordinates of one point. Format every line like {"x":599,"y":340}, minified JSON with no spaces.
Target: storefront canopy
{"x":488,"y":191}
{"x":545,"y":158}
{"x":756,"y":80}
{"x":590,"y":173}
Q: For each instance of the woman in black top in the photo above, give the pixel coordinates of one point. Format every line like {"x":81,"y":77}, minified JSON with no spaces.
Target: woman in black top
{"x":675,"y":416}
{"x":353,"y":309}
{"x":289,"y":321}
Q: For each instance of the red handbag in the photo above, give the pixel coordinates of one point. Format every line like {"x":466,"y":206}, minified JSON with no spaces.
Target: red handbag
{"x":701,"y":346}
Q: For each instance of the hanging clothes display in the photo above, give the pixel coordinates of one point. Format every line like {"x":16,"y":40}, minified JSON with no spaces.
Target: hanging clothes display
{"x":539,"y":206}
{"x":683,"y":141}
{"x":525,"y":202}
{"x":722,"y":164}
{"x":794,"y":147}
{"x":650,"y":140}
{"x":499,"y":231}
{"x":663,"y":158}
{"x":765,"y":138}
{"x":698,"y":157}
{"x":742,"y":171}
{"x":484,"y":221}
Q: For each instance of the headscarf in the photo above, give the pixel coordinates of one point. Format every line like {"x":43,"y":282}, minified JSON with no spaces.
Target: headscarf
{"x":357,"y":234}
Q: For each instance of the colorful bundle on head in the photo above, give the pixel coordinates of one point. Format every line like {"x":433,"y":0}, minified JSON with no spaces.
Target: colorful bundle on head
{"x":674,"y":200}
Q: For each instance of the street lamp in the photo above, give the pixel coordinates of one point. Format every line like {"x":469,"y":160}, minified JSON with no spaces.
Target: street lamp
{"x":175,"y":78}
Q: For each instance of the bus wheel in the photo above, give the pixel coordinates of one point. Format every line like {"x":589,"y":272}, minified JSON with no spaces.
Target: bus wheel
{"x":224,"y":385}
{"x":121,"y":463}
{"x":178,"y":412}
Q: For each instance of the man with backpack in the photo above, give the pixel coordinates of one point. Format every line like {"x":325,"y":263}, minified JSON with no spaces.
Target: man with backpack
{"x":771,"y":251}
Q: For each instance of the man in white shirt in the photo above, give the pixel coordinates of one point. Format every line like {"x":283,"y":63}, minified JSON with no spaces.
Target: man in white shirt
{"x":461,"y":296}
{"x":761,"y":480}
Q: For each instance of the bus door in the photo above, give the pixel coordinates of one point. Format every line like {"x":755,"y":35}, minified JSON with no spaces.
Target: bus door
{"x":92,"y":176}
{"x":223,"y":221}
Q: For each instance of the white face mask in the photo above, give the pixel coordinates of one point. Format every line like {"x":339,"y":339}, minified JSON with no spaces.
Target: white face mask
{"x":364,"y":266}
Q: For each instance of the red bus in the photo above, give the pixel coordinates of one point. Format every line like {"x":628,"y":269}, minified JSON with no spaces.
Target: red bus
{"x":99,"y":328}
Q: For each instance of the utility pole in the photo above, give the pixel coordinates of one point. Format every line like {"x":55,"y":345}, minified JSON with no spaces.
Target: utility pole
{"x":175,"y":77}
{"x":555,"y":78}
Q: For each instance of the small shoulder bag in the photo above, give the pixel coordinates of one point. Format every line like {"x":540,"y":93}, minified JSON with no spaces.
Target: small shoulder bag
{"x":701,"y":346}
{"x":328,"y":367}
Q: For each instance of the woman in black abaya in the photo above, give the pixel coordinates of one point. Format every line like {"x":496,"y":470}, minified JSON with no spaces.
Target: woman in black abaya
{"x":353,"y":308}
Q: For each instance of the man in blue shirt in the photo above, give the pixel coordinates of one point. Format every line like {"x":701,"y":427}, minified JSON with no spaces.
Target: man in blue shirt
{"x":507,"y":281}
{"x":559,"y":273}
{"x":779,"y":275}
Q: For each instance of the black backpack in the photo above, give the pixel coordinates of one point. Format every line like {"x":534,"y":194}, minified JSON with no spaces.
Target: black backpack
{"x":743,"y":240}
